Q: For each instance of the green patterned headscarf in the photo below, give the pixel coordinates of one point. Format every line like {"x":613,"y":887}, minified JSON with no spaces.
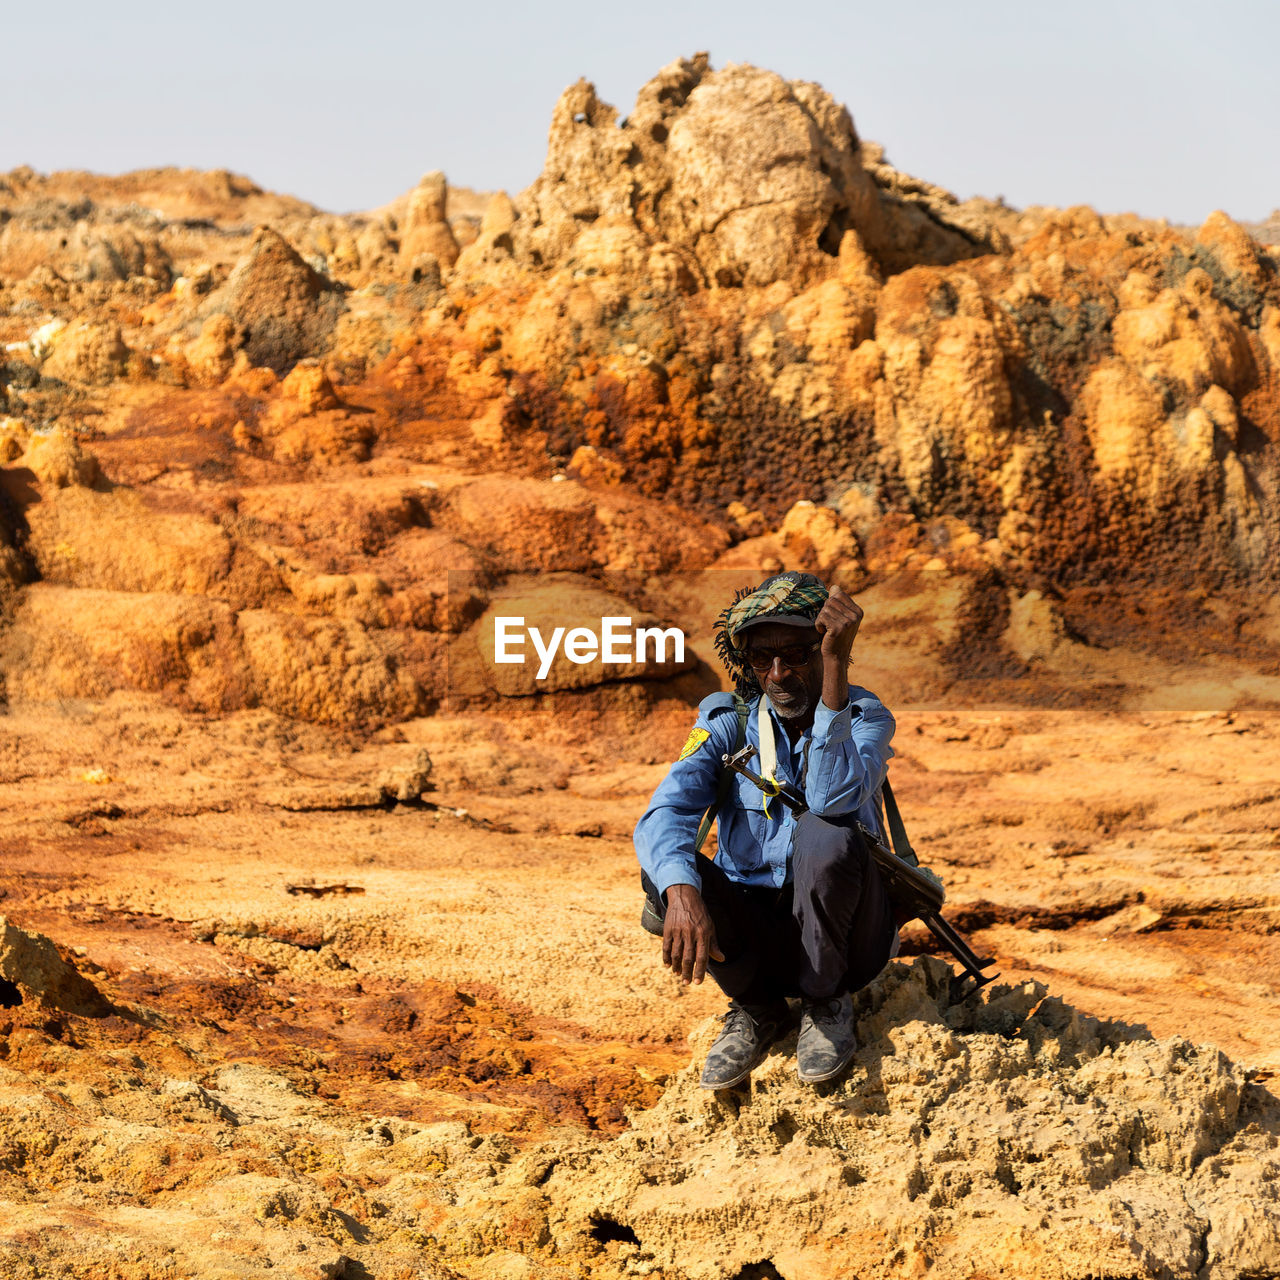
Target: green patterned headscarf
{"x":792,"y":598}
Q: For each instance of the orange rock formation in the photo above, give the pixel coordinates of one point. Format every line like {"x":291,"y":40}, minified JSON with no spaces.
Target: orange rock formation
{"x":266,"y":474}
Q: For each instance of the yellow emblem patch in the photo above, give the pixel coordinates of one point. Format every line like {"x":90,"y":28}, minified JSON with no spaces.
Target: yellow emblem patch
{"x":695,"y":739}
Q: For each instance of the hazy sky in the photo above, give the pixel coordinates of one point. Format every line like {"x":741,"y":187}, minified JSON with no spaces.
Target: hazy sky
{"x":1164,"y":107}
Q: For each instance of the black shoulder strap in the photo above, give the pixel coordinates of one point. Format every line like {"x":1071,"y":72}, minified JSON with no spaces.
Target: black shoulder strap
{"x":726,"y":776}
{"x":897,"y":832}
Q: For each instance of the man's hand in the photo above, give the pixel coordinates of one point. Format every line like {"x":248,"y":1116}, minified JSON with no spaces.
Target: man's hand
{"x":837,"y":624}
{"x":688,"y":936}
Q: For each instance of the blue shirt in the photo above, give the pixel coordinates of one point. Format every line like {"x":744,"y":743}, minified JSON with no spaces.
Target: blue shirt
{"x":848,"y":754}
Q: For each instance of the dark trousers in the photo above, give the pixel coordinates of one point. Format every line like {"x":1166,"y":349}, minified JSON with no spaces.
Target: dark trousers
{"x":827,"y":932}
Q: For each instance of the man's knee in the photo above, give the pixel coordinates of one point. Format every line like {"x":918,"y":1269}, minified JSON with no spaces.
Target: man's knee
{"x":825,"y":850}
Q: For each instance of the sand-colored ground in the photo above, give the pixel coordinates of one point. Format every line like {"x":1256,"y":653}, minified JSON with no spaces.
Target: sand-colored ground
{"x":1127,"y":861}
{"x":263,"y":923}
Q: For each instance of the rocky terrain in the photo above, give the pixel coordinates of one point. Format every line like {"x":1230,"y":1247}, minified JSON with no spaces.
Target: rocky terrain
{"x":319,"y":953}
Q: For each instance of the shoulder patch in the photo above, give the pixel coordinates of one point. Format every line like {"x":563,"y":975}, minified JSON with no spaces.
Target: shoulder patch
{"x":695,"y":739}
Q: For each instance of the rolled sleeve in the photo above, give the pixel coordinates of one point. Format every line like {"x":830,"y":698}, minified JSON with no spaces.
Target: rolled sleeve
{"x":849,"y":754}
{"x":665,"y":835}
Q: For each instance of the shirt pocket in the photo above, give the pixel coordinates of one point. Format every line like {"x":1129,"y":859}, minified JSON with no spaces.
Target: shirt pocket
{"x":744,"y":845}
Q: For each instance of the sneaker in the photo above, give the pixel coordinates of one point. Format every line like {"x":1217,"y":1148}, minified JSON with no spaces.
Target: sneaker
{"x":827,"y":1040}
{"x":742,"y":1043}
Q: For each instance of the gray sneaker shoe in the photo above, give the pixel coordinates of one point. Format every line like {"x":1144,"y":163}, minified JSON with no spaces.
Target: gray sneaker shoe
{"x":743,"y":1041}
{"x":827,"y":1040}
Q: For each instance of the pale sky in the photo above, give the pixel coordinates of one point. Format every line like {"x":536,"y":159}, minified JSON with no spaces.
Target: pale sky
{"x":1167,"y":108}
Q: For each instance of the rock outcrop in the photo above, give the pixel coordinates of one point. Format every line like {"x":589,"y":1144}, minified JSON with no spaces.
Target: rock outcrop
{"x":722,"y":331}
{"x":281,"y":308}
{"x":724,"y":178}
{"x":427,"y":243}
{"x":31,"y":968}
{"x":1012,"y":1135}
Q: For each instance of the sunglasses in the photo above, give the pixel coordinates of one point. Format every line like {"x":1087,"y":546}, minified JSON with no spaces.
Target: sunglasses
{"x":790,"y":655}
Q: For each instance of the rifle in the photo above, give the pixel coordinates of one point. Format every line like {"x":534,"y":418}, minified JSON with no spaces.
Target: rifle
{"x":916,"y":893}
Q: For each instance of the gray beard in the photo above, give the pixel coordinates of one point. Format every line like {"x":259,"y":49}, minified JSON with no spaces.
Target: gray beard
{"x":795,"y":711}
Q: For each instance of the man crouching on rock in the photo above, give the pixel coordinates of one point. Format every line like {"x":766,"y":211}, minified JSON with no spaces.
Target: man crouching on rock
{"x":790,"y":906}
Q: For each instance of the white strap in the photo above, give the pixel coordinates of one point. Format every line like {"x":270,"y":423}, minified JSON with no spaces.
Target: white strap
{"x":768,"y":747}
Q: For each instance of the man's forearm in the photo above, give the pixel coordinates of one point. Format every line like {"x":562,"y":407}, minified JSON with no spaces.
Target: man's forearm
{"x":835,"y":684}
{"x":837,"y":624}
{"x":849,"y":754}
